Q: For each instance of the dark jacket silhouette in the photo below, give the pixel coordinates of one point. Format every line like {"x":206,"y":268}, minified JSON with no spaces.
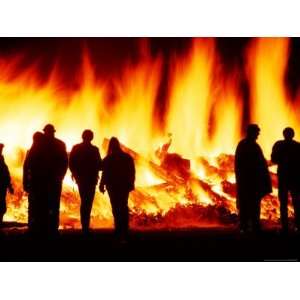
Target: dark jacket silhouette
{"x":118,"y":177}
{"x":5,"y":184}
{"x":47,"y":163}
{"x":32,"y":183}
{"x":85,"y":164}
{"x":252,"y":179}
{"x":286,"y":154}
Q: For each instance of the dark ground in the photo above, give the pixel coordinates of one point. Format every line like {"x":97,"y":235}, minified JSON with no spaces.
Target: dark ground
{"x":206,"y":244}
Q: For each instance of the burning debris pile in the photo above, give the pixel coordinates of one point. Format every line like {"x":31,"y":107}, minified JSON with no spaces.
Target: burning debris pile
{"x":183,"y":197}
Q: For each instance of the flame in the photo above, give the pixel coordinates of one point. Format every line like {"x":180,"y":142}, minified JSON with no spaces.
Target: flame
{"x":271,"y":106}
{"x":183,"y":179}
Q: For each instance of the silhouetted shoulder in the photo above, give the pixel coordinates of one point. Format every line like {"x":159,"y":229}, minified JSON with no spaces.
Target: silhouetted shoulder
{"x":77,"y":146}
{"x":95,"y":150}
{"x":83,"y":146}
{"x":105,"y":162}
{"x":242,"y":142}
{"x":95,"y":147}
{"x":278,"y":143}
{"x":241,"y":145}
{"x":122,"y":157}
{"x":127,"y":156}
{"x":297,"y":144}
{"x":60,"y":143}
{"x":246,"y":145}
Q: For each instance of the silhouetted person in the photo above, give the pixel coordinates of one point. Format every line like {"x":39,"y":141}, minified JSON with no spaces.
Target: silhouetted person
{"x":48,"y":163}
{"x":252,"y":179}
{"x":85,"y":164}
{"x":118,"y":177}
{"x":55,"y":164}
{"x":5,"y":184}
{"x":32,"y":184}
{"x":286,"y":154}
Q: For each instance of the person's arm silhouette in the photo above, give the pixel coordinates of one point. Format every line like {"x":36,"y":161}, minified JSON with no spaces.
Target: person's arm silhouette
{"x":275,"y":155}
{"x":102,"y":186}
{"x":103,"y":178}
{"x":10,"y":186}
{"x":131,"y":174}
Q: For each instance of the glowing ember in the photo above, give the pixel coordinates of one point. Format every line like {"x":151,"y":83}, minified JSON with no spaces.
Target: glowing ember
{"x":184,"y":179}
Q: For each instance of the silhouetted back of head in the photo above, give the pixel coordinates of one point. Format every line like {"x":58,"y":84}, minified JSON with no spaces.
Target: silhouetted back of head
{"x":87,"y":135}
{"x":114,"y":146}
{"x":49,"y":130}
{"x":37,"y":137}
{"x":288,"y":133}
{"x":1,"y":148}
{"x":253,"y":131}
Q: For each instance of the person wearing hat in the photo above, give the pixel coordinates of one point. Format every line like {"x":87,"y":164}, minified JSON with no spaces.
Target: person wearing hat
{"x":55,"y":164}
{"x":5,"y":184}
{"x":85,"y":164}
{"x":48,"y":161}
{"x":252,"y":179}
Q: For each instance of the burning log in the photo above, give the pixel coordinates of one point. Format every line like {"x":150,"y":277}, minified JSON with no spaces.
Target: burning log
{"x":177,"y":165}
{"x":157,"y":170}
{"x":143,"y":198}
{"x":226,"y":162}
{"x":173,"y":162}
{"x":209,"y":169}
{"x":229,"y":188}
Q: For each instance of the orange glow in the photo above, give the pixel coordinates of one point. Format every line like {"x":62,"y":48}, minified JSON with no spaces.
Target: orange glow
{"x":203,"y":117}
{"x":270,"y":104}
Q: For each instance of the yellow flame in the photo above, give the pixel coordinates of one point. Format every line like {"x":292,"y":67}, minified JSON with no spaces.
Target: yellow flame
{"x":271,"y":106}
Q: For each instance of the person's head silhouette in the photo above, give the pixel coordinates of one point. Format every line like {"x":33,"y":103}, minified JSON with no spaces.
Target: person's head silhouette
{"x":253,"y":131}
{"x":49,"y":130}
{"x":114,"y":146}
{"x":37,"y":137}
{"x":288,"y":133}
{"x":87,"y":136}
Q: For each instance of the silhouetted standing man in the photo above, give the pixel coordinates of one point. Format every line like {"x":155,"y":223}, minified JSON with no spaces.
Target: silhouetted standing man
{"x":118,"y":177}
{"x":33,"y":182}
{"x":286,"y":154}
{"x":85,"y":164}
{"x":5,"y":184}
{"x":252,"y":179}
{"x":55,"y":164}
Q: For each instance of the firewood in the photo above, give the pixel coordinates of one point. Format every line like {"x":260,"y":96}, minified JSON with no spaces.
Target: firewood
{"x":156,"y":169}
